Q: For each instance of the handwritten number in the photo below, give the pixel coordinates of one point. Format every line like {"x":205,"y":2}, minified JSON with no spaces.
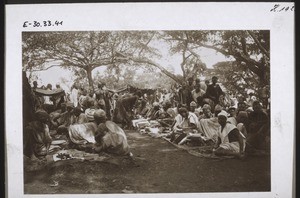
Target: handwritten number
{"x":58,"y":23}
{"x":36,"y":24}
{"x":275,"y":7}
{"x":42,"y":23}
{"x":280,"y":8}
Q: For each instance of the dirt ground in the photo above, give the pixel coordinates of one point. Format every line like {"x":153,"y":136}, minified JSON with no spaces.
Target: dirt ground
{"x":157,"y":167}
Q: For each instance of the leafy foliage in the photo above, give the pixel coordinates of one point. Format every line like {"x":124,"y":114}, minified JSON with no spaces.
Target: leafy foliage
{"x":248,"y":48}
{"x":237,"y":78}
{"x":123,"y":52}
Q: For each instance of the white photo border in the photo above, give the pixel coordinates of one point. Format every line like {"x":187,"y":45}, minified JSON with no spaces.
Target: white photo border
{"x":161,"y":16}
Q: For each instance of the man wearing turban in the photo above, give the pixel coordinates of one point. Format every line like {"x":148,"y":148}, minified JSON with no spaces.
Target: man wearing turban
{"x":230,"y":140}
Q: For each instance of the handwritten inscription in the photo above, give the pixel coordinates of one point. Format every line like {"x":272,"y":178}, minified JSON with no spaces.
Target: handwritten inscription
{"x":47,"y":23}
{"x":279,"y":8}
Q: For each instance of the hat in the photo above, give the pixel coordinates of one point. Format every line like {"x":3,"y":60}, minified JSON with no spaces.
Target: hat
{"x":193,"y":104}
{"x":100,"y":114}
{"x":223,"y":113}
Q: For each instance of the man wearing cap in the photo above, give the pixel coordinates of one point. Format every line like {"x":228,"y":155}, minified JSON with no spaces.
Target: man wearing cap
{"x":230,"y":140}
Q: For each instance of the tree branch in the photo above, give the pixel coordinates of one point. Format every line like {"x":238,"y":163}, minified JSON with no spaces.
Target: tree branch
{"x":161,"y":68}
{"x":36,"y":70}
{"x":259,"y":44}
{"x":146,"y":43}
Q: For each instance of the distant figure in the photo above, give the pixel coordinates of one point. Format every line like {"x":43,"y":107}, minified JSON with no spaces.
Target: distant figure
{"x":47,"y":98}
{"x":207,"y":82}
{"x":74,"y":95}
{"x":214,"y":91}
{"x":102,"y":98}
{"x":35,"y":85}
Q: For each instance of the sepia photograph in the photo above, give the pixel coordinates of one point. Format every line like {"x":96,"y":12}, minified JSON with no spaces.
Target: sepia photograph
{"x":150,"y":99}
{"x":144,"y":111}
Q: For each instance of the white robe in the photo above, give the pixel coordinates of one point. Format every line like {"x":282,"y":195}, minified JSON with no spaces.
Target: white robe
{"x":225,"y":144}
{"x":74,"y":97}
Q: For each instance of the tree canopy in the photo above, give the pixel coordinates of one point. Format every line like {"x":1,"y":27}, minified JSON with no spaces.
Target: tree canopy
{"x":119,"y":51}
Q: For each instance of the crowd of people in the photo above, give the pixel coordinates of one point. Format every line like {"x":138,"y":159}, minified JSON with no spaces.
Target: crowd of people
{"x":195,"y":112}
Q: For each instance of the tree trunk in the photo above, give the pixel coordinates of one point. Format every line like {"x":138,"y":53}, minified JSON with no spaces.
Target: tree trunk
{"x":90,"y":78}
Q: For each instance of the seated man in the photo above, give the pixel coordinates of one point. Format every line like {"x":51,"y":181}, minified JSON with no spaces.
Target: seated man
{"x":185,"y":123}
{"x":37,"y":139}
{"x":170,"y":112}
{"x":207,"y":127}
{"x":259,"y":128}
{"x":241,"y":106}
{"x":111,"y":138}
{"x":242,"y":122}
{"x":90,"y":110}
{"x":65,"y":119}
{"x":230,"y":140}
{"x":166,"y":115}
{"x":80,"y":117}
{"x":82,"y":134}
{"x":206,"y":112}
{"x":193,"y":108}
{"x":232,"y":115}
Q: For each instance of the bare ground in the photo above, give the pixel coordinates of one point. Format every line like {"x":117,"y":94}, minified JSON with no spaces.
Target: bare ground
{"x":157,"y":167}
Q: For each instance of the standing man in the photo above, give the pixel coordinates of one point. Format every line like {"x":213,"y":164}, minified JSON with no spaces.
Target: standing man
{"x":74,"y":95}
{"x":198,"y":94}
{"x":214,"y":91}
